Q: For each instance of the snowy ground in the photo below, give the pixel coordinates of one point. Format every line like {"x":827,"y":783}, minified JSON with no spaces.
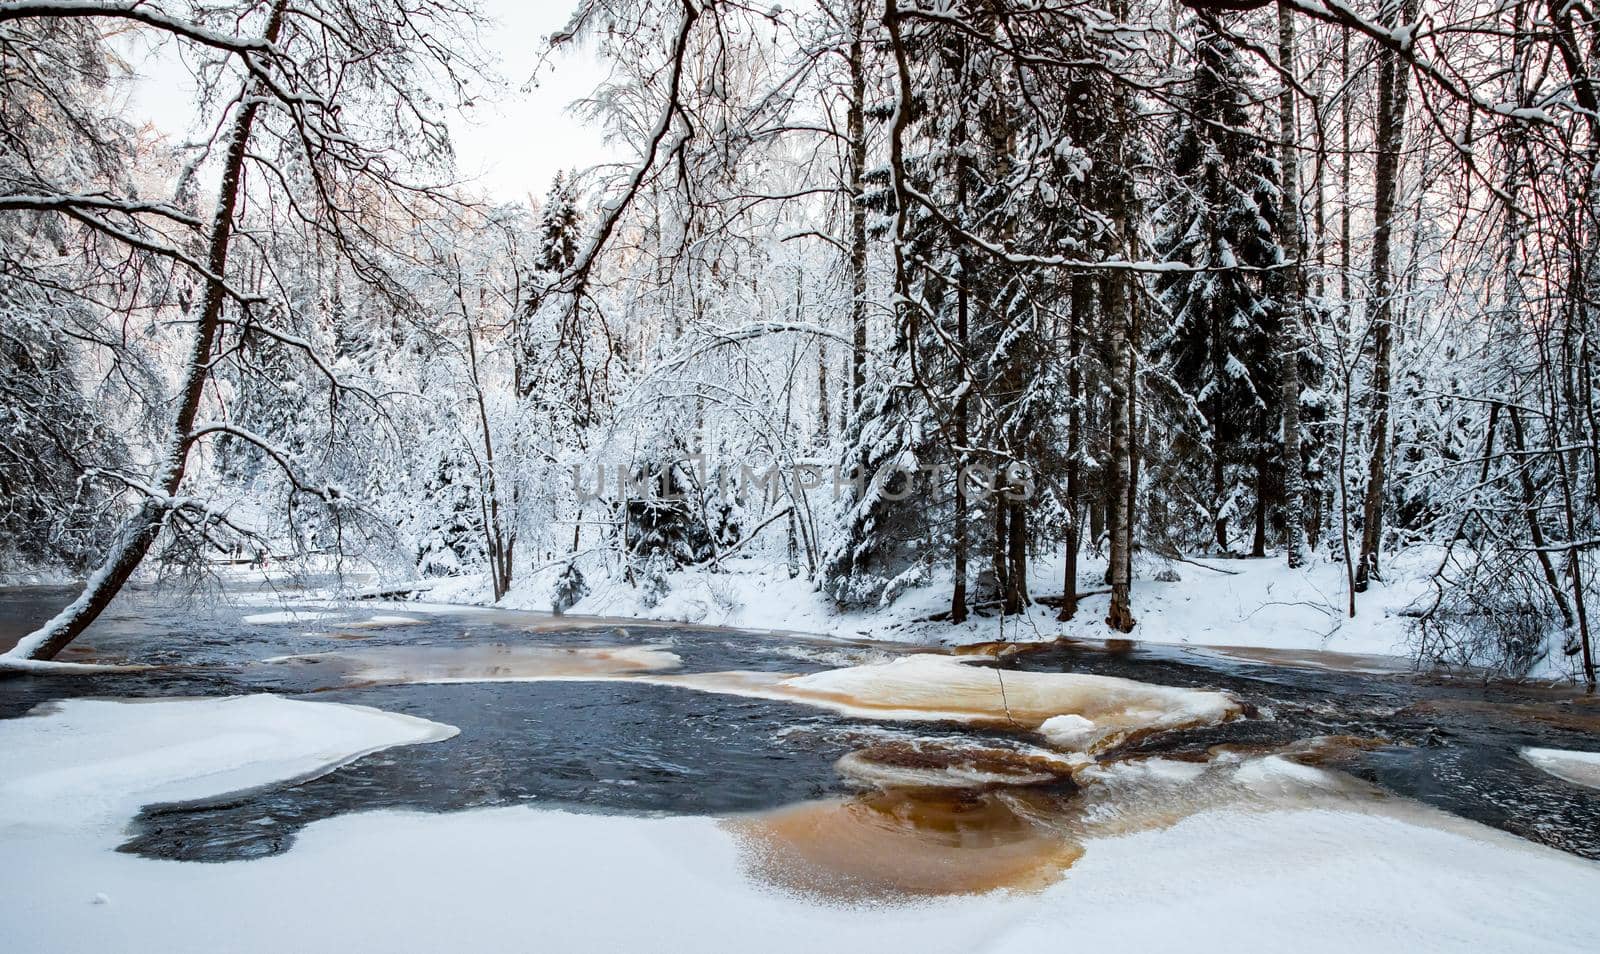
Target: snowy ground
{"x":1333,"y":876}
{"x":1242,"y":603}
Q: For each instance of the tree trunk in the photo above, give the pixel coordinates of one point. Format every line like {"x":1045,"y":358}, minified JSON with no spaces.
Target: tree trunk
{"x":1258,"y":544}
{"x":139,"y":531}
{"x":1219,"y":489}
{"x":958,"y":589}
{"x":1393,"y":86}
{"x":499,"y":540}
{"x":1017,"y":558}
{"x":1135,"y":422}
{"x":824,"y":425}
{"x":1121,"y":364}
{"x":1120,"y":569}
{"x":999,"y":554}
{"x":1293,"y":283}
{"x":856,"y":129}
{"x":1080,"y":311}
{"x":792,"y":547}
{"x":1114,"y":490}
{"x":1345,"y":192}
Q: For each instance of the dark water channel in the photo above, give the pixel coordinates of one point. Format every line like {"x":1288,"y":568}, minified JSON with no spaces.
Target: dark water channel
{"x":640,"y":748}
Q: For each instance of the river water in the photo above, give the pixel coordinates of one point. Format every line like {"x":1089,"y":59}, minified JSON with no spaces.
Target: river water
{"x":611,"y":743}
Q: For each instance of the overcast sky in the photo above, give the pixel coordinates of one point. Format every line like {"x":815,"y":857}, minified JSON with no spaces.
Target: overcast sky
{"x":517,"y":146}
{"x":512,"y":147}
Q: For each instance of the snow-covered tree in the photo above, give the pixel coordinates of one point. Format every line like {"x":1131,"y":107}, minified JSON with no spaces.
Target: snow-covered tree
{"x":1220,"y":217}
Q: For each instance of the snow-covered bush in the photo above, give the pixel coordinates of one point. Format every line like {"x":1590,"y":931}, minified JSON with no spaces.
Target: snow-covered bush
{"x":569,"y":589}
{"x":653,"y":583}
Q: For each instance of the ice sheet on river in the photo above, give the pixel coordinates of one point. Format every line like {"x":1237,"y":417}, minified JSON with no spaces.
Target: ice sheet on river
{"x":87,"y":763}
{"x":517,"y":879}
{"x":1074,"y":711}
{"x":1579,"y":768}
{"x":490,"y":663}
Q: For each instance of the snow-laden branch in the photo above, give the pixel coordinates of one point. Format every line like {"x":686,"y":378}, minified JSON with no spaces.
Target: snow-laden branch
{"x":575,"y":279}
{"x":1402,"y":39}
{"x":284,"y":460}
{"x":139,"y":12}
{"x":727,"y":337}
{"x":63,"y":202}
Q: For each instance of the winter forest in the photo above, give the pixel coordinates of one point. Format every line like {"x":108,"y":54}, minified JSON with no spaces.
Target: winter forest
{"x":890,"y":294}
{"x":931,"y":474}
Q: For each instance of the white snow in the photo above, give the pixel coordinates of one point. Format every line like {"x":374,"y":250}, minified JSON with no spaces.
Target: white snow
{"x":1312,"y":881}
{"x":1274,"y":774}
{"x":86,"y":763}
{"x":520,"y":879}
{"x":1241,"y":604}
{"x":1579,"y":768}
{"x":1070,"y":731}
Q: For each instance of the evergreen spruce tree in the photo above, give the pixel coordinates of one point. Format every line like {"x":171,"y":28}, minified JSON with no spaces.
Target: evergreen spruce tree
{"x":548,"y":366}
{"x":570,"y":588}
{"x":653,"y":583}
{"x":1219,"y":216}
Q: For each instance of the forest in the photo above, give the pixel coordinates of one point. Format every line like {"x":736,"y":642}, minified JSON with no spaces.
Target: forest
{"x":886,"y":295}
{"x":800,"y":475}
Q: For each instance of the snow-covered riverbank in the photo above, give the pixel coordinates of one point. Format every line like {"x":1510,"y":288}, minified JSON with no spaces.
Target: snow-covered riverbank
{"x":1240,"y":603}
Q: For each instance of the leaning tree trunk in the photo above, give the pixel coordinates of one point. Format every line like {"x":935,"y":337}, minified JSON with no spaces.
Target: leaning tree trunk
{"x":139,"y":531}
{"x":1393,"y":86}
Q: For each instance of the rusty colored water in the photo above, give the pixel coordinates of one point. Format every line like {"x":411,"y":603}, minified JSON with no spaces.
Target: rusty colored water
{"x":894,"y":844}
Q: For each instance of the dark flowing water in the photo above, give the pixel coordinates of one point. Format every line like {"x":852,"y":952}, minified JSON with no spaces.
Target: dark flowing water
{"x":617,"y":746}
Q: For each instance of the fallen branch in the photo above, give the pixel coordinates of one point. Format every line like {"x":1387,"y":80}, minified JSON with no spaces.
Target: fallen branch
{"x":944,"y":615}
{"x":1180,"y":558}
